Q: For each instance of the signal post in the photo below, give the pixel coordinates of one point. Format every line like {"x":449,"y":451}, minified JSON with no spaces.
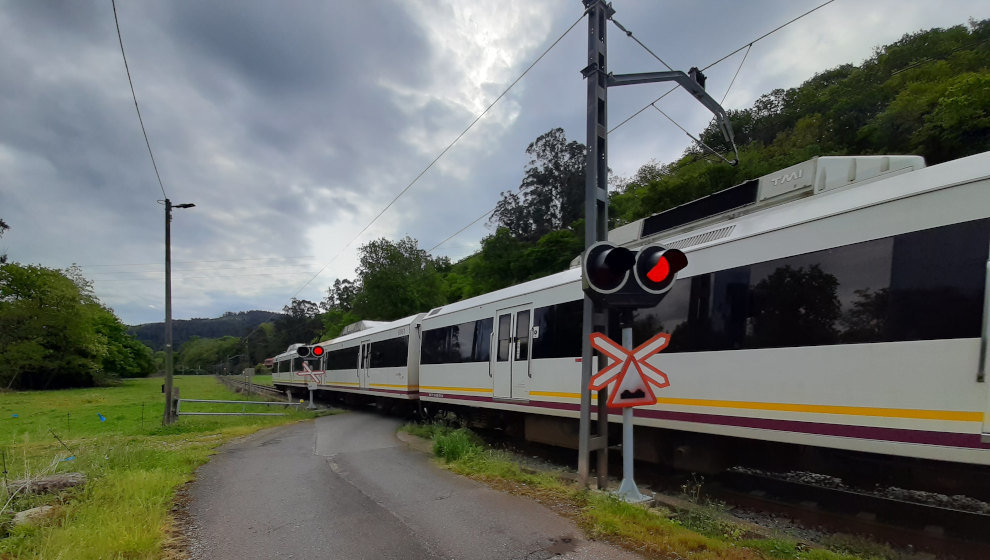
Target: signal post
{"x":595,"y":315}
{"x":311,"y":354}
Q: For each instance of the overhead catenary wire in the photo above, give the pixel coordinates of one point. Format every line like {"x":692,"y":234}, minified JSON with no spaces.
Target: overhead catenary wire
{"x":120,"y":39}
{"x":633,"y":37}
{"x":442,"y":153}
{"x":460,"y":231}
{"x":749,"y":44}
{"x":748,"y":47}
{"x":691,"y":136}
{"x":734,"y":76}
{"x":769,"y":33}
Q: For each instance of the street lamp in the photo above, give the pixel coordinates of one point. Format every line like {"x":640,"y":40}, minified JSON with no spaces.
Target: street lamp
{"x":168,"y":418}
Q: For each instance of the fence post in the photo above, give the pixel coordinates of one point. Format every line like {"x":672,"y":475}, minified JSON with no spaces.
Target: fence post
{"x":174,"y":403}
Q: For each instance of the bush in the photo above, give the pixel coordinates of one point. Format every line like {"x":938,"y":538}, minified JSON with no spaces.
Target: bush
{"x":456,"y":444}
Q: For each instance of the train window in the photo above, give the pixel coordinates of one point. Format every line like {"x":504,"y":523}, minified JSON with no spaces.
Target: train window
{"x":922,"y":285}
{"x":522,"y":335}
{"x":504,"y":336}
{"x":345,"y":358}
{"x":393,"y":352}
{"x":432,"y":346}
{"x":460,"y":343}
{"x":466,"y":342}
{"x":937,"y":283}
{"x":482,"y":346}
{"x":669,"y":317}
{"x":560,"y":330}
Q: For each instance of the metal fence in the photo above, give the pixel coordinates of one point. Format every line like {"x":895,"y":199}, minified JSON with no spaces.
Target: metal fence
{"x":179,"y":412}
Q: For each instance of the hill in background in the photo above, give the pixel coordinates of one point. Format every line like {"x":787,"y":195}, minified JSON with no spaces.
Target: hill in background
{"x":230,"y":324}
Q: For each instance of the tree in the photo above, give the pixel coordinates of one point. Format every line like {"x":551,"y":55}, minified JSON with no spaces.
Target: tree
{"x":341,"y":295}
{"x":551,"y":195}
{"x":213,"y":355}
{"x":397,"y":279}
{"x":55,"y":333}
{"x":300,"y":323}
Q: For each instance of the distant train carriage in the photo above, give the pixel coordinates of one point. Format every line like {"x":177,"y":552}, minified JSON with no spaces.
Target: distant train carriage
{"x":379,"y":361}
{"x":515,"y":348}
{"x":287,"y":367}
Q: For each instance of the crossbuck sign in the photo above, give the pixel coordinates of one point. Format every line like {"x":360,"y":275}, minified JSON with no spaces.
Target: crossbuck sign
{"x":629,"y":372}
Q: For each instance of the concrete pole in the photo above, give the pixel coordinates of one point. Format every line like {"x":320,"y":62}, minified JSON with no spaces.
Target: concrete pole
{"x":167,"y":418}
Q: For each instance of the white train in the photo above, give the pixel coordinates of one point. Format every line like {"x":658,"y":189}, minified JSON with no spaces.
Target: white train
{"x":840,"y":303}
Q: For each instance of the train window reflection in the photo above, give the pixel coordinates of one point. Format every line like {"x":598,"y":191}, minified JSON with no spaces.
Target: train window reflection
{"x":918,"y":286}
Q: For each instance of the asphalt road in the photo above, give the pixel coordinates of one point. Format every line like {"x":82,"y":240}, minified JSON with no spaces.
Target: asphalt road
{"x":344,"y":487}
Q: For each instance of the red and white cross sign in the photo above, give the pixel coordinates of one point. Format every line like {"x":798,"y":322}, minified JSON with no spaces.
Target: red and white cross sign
{"x":307,"y":371}
{"x":629,"y":371}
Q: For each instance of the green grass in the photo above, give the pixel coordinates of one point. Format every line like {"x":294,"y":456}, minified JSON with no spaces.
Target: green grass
{"x":654,"y":532}
{"x":133,"y":463}
{"x":262,"y":380}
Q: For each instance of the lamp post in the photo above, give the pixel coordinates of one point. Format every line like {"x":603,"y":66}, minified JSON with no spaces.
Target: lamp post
{"x":168,"y":418}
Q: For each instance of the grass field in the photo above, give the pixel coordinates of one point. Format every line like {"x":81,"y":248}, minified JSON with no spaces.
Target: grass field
{"x":134,"y":464}
{"x":262,"y":379}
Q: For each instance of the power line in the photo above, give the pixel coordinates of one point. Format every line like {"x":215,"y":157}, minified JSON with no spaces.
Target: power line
{"x":769,"y":33}
{"x":634,"y":115}
{"x":460,"y":231}
{"x":734,"y":76}
{"x":629,"y":34}
{"x":134,"y":95}
{"x":442,"y":153}
{"x":691,"y":136}
{"x":750,"y":44}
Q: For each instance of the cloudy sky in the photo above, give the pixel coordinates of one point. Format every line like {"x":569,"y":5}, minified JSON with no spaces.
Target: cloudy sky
{"x":292,"y":124}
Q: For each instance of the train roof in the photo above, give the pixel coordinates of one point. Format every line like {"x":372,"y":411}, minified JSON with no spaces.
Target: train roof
{"x":811,"y":178}
{"x":379,"y":326}
{"x":825,"y":188}
{"x":545,"y":283}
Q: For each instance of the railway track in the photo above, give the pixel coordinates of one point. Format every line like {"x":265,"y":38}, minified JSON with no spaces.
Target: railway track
{"x":243,"y":386}
{"x":944,"y":532}
{"x":905,"y":524}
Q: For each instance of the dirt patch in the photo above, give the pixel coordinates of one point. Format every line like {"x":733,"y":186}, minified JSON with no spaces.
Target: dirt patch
{"x":178,"y":533}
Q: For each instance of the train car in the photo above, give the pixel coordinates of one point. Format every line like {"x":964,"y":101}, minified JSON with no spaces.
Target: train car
{"x":838,"y":304}
{"x":287,"y":368}
{"x":380,"y":362}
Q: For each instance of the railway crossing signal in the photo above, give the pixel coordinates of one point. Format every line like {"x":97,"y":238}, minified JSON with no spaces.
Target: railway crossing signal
{"x":619,"y":278}
{"x":629,"y":371}
{"x":310,"y":352}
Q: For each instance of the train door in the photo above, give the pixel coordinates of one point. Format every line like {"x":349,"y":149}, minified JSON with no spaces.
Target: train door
{"x":984,"y":365}
{"x":510,"y":368}
{"x":364,"y":363}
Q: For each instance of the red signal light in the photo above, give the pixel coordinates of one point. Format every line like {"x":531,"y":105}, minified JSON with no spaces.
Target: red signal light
{"x":317,"y":351}
{"x":659,"y":271}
